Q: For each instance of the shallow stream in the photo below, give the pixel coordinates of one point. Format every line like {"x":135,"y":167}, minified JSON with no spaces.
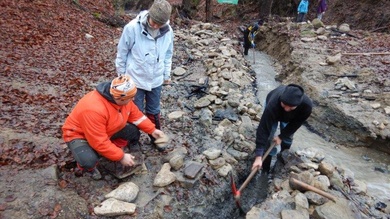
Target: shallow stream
{"x":367,"y":165}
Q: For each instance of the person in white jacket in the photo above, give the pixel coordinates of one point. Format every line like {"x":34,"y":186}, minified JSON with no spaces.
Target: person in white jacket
{"x":145,"y":52}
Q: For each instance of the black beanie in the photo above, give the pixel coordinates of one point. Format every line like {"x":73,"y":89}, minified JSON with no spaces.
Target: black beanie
{"x":292,"y":95}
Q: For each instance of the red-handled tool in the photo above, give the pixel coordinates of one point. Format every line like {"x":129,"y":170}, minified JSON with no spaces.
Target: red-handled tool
{"x":237,"y":193}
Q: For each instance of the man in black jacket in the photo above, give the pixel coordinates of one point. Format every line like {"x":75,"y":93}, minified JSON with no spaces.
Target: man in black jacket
{"x":249,"y":37}
{"x":287,"y":105}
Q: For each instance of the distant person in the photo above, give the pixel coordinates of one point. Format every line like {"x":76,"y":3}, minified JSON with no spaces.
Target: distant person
{"x":103,"y":122}
{"x":321,"y":8}
{"x":287,"y":105}
{"x":303,"y":7}
{"x":145,"y":52}
{"x":249,"y":36}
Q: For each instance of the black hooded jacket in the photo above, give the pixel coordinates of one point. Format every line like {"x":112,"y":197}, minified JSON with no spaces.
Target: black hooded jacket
{"x":274,"y":113}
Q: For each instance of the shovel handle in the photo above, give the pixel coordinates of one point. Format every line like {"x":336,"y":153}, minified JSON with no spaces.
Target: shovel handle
{"x":253,"y":172}
{"x":312,"y":188}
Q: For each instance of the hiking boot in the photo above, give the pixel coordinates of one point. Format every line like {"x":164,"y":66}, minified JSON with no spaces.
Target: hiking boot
{"x":78,"y":172}
{"x":94,"y":174}
{"x":279,"y":158}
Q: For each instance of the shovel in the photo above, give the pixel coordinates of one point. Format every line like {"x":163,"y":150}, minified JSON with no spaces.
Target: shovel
{"x":237,"y":193}
{"x":301,"y":186}
{"x":254,"y":58}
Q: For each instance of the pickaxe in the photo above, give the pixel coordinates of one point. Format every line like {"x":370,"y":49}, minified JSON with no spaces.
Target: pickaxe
{"x":237,"y":193}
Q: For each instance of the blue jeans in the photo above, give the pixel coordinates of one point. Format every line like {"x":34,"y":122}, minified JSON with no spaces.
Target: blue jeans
{"x":149,"y":101}
{"x":286,"y":143}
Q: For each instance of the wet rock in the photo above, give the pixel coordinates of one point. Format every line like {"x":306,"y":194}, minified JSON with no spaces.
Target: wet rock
{"x":336,"y":180}
{"x":164,"y":176}
{"x":177,"y":161}
{"x":359,"y":187}
{"x":206,"y":117}
{"x":320,"y":31}
{"x":331,"y":60}
{"x":308,"y":166}
{"x":217,"y":163}
{"x":295,"y":169}
{"x":387,"y":110}
{"x":225,"y":123}
{"x":375,"y":105}
{"x":305,"y":177}
{"x":317,"y":23}
{"x":225,"y":114}
{"x":202,"y":102}
{"x":294,"y":214}
{"x":322,"y":37}
{"x":340,"y":209}
{"x":126,"y":192}
{"x":326,"y":169}
{"x":212,"y":153}
{"x":310,"y":154}
{"x":229,"y":158}
{"x":225,"y":170}
{"x":192,"y":170}
{"x":238,"y":155}
{"x":112,"y":207}
{"x":315,"y":198}
{"x":344,"y":28}
{"x":233,"y":102}
{"x":177,"y":151}
{"x":321,"y":182}
{"x":246,"y":128}
{"x":176,"y":115}
{"x":308,"y":39}
{"x":185,"y":182}
{"x":179,"y":71}
{"x":301,"y":201}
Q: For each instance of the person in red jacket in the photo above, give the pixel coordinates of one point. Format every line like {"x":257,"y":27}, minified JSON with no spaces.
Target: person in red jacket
{"x":104,"y":120}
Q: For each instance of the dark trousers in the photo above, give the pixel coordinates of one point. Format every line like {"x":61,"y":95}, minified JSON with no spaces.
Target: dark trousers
{"x":301,"y":17}
{"x":87,"y":158}
{"x":247,"y":43}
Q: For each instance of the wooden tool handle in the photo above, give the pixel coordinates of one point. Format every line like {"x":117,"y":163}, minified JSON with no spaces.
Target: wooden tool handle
{"x":255,"y":170}
{"x":312,"y":188}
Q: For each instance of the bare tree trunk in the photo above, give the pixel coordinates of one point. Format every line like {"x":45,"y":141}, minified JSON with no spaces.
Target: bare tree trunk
{"x":265,"y":8}
{"x":190,"y":7}
{"x":209,"y":9}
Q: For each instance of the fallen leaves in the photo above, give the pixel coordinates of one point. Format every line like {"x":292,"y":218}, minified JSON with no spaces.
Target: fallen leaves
{"x":48,"y":65}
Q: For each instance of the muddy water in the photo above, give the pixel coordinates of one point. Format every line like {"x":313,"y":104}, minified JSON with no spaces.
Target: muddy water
{"x":364,"y":163}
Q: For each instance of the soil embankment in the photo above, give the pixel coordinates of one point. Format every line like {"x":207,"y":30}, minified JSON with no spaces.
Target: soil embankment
{"x":351,"y":95}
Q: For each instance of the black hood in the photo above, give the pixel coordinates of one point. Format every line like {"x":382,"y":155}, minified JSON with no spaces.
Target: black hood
{"x":104,"y":90}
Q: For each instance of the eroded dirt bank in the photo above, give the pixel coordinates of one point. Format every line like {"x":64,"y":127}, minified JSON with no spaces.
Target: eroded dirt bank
{"x":353,"y":116}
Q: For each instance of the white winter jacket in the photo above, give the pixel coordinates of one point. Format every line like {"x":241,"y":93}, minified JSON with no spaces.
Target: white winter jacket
{"x":147,"y":60}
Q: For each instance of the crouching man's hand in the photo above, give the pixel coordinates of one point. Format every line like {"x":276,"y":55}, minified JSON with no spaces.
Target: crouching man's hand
{"x":127,"y":160}
{"x":158,"y":134}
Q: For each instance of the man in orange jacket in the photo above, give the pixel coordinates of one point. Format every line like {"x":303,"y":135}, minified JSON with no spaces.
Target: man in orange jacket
{"x":103,"y":120}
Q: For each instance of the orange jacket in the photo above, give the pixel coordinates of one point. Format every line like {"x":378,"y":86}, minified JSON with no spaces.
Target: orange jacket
{"x":96,"y":119}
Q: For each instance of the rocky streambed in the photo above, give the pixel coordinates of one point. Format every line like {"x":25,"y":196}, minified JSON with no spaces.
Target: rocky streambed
{"x":210,"y":112}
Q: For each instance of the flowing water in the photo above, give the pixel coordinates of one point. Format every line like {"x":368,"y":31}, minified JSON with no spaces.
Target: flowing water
{"x":366,"y":164}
